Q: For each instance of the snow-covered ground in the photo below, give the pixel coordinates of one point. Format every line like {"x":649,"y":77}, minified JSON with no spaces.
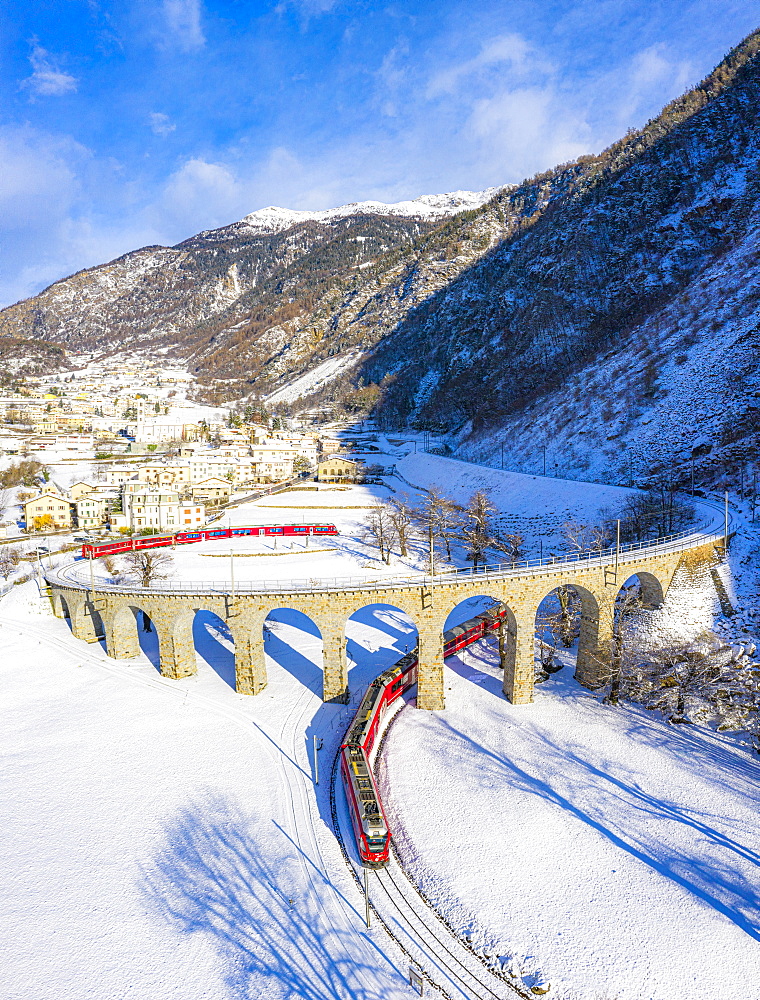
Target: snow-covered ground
{"x":534,"y":506}
{"x":164,"y":839}
{"x":615,"y":855}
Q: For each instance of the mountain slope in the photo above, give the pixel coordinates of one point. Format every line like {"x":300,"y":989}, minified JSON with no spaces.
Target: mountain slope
{"x":225,"y":286}
{"x":600,"y":246}
{"x":553,"y":314}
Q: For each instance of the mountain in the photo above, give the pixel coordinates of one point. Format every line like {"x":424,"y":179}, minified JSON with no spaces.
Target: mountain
{"x":227,"y":298}
{"x":606,"y":310}
{"x":19,"y":357}
{"x":618,"y":321}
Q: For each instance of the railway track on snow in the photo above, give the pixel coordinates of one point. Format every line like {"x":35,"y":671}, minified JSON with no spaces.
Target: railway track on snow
{"x":433,"y":949}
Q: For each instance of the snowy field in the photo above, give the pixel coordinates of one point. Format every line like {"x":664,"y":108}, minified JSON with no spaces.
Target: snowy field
{"x":163,"y":839}
{"x":535,"y":506}
{"x":615,"y":855}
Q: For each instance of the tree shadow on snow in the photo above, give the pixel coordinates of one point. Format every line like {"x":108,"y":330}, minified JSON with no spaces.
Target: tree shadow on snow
{"x":613,"y":803}
{"x":214,"y":875}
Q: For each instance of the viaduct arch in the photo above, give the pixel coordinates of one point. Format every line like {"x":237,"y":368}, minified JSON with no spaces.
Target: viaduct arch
{"x":111,"y":613}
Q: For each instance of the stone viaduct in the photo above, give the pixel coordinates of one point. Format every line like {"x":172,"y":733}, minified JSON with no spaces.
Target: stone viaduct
{"x":111,"y":612}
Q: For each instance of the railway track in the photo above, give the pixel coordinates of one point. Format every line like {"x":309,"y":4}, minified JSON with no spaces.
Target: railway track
{"x":430,"y":946}
{"x":442,"y":959}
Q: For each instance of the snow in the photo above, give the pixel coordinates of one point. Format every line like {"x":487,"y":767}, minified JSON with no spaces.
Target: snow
{"x":311,"y":380}
{"x":535,"y":506}
{"x":163,"y":838}
{"x":601,"y":848}
{"x":431,"y":206}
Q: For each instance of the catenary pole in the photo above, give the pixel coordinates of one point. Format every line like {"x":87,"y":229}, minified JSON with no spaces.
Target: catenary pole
{"x":725,"y":528}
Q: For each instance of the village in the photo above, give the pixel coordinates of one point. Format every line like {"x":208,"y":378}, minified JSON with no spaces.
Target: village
{"x":117,"y":447}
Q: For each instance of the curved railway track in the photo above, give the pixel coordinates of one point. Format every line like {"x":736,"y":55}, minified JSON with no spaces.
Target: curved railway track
{"x":443,"y":960}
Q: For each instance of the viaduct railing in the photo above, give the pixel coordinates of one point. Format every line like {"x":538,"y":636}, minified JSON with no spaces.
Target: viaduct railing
{"x":77,"y":575}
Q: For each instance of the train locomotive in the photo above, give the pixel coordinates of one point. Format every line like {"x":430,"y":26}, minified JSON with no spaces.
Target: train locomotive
{"x":368,"y":819}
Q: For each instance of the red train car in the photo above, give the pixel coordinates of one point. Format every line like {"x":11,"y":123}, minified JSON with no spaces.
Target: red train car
{"x":205,"y":535}
{"x":365,"y":805}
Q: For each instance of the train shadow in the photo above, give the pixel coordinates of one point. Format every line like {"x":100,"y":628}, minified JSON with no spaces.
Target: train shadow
{"x":232,"y":877}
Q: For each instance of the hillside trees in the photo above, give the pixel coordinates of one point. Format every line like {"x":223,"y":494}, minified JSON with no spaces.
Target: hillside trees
{"x":27,"y":472}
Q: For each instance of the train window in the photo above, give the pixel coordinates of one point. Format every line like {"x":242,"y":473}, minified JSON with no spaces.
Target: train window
{"x":300,"y":529}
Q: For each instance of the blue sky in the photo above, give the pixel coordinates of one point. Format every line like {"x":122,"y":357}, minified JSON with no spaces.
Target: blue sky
{"x":130,"y":122}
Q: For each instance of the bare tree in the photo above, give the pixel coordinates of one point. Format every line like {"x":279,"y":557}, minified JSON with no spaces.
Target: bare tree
{"x":704,"y":672}
{"x":440,"y":515}
{"x":477,"y":532}
{"x":150,"y":565}
{"x":401,"y":516}
{"x":579,"y":537}
{"x":567,"y":618}
{"x":5,"y":500}
{"x":379,"y":525}
{"x":511,"y":543}
{"x":10,"y":557}
{"x":111,"y":564}
{"x":560,"y":617}
{"x":627,"y":603}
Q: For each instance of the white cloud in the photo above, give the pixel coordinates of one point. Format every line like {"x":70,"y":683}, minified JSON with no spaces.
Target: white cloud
{"x":651,"y":73}
{"x":526,"y":130}
{"x":307,"y":7}
{"x":199,"y":195}
{"x":511,"y":49}
{"x":161,"y":124}
{"x":183,"y":24}
{"x":47,"y":79}
{"x":48,"y":226}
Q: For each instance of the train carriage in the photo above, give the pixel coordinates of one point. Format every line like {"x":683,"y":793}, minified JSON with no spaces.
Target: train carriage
{"x":90,"y":551}
{"x":368,"y":818}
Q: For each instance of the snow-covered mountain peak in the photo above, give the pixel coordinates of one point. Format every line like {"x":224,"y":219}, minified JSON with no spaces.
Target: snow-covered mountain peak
{"x":429,"y":206}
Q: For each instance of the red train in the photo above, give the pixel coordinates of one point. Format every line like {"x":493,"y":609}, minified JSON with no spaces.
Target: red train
{"x":205,"y":535}
{"x":364,"y":803}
